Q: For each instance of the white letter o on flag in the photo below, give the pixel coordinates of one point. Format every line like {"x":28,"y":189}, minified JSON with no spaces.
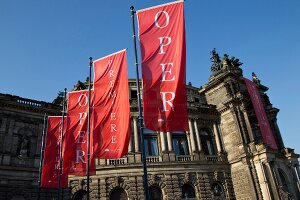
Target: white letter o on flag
{"x":82,"y":100}
{"x":167,"y":19}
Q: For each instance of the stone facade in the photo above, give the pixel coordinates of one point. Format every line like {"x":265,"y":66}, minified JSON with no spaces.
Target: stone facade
{"x":222,"y":156}
{"x":21,"y":127}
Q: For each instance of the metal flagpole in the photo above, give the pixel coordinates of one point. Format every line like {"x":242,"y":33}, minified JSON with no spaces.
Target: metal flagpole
{"x":141,"y":123}
{"x":88,"y":132}
{"x":60,"y":143}
{"x":42,"y":153}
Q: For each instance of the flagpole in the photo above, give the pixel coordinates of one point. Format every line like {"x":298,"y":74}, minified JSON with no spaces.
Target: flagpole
{"x":60,"y":143}
{"x":88,"y":131}
{"x":42,"y":154}
{"x":141,"y":124}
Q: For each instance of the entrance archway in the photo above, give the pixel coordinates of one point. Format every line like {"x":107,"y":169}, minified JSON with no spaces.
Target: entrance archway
{"x":80,"y":195}
{"x":118,"y":194}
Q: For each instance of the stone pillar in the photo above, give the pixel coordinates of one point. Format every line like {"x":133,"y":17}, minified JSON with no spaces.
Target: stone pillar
{"x":197,"y":136}
{"x":219,"y":148}
{"x":189,"y":142}
{"x":193,"y":146}
{"x":262,"y":180}
{"x":162,"y":141}
{"x":298,"y":171}
{"x":130,"y":144}
{"x":273,"y":180}
{"x":136,"y":136}
{"x":248,"y":125}
{"x":170,"y":144}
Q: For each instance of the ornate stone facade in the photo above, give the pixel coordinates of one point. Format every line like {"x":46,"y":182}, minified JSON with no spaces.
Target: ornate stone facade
{"x":222,"y":156}
{"x":21,"y":126}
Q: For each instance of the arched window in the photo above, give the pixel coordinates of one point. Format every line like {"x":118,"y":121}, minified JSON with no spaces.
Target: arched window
{"x":217,"y":191}
{"x":207,"y":142}
{"x":283,"y":180}
{"x":118,"y":194}
{"x":80,"y":195}
{"x":188,"y":192}
{"x":180,"y":143}
{"x":155,"y":193}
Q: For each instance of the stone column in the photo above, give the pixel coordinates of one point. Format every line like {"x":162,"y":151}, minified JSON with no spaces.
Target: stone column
{"x":192,"y":136}
{"x":219,"y":148}
{"x":170,"y":144}
{"x":273,"y":181}
{"x":130,"y":143}
{"x":248,"y":125}
{"x":197,"y":136}
{"x":136,"y":136}
{"x":298,"y":171}
{"x":162,"y":141}
{"x":263,"y":180}
{"x":189,"y":142}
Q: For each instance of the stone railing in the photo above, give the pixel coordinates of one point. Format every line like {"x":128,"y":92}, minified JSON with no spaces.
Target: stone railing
{"x":120,"y":161}
{"x":136,"y":158}
{"x":153,"y":159}
{"x":15,"y":100}
{"x":29,"y":102}
{"x":184,"y":158}
{"x":214,"y":158}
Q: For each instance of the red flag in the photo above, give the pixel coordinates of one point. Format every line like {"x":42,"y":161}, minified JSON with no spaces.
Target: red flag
{"x":162,"y":38}
{"x":75,"y":149}
{"x":50,"y":167}
{"x":112,"y":109}
{"x":262,"y":119}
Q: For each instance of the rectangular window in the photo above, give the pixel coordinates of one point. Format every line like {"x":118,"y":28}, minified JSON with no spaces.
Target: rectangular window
{"x":180,"y":146}
{"x":151,"y":147}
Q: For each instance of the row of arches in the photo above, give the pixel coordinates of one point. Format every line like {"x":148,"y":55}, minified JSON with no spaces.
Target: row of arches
{"x":155,"y":192}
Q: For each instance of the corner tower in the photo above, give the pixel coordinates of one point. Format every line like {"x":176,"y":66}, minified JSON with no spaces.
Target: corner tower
{"x":258,"y":172}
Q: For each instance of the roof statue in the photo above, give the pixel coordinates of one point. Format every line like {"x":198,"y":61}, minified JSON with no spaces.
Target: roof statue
{"x":215,"y":59}
{"x":225,"y":64}
{"x":79,"y":86}
{"x":59,"y":99}
{"x":255,"y":79}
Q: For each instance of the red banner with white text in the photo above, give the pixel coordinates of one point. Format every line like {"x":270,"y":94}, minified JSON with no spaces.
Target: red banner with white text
{"x":50,"y":167}
{"x":163,"y":51}
{"x":262,"y":119}
{"x":112,"y":109}
{"x":75,"y":148}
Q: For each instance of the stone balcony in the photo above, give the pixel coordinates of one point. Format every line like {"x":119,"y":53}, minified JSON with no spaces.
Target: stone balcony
{"x":165,"y":158}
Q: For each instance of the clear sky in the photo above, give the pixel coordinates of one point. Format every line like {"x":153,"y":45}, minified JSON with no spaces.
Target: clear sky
{"x":45,"y":45}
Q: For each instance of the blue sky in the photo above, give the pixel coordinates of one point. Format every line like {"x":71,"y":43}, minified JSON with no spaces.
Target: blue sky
{"x":45,"y":45}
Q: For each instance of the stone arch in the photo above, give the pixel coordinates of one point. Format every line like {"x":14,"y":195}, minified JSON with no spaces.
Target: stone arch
{"x":190,"y":180}
{"x":118,"y":193}
{"x":79,"y":185}
{"x":188,"y":191}
{"x":155,"y":192}
{"x":218,"y":190}
{"x":284,"y":180}
{"x":118,"y":183}
{"x":80,"y":195}
{"x":156,"y":181}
